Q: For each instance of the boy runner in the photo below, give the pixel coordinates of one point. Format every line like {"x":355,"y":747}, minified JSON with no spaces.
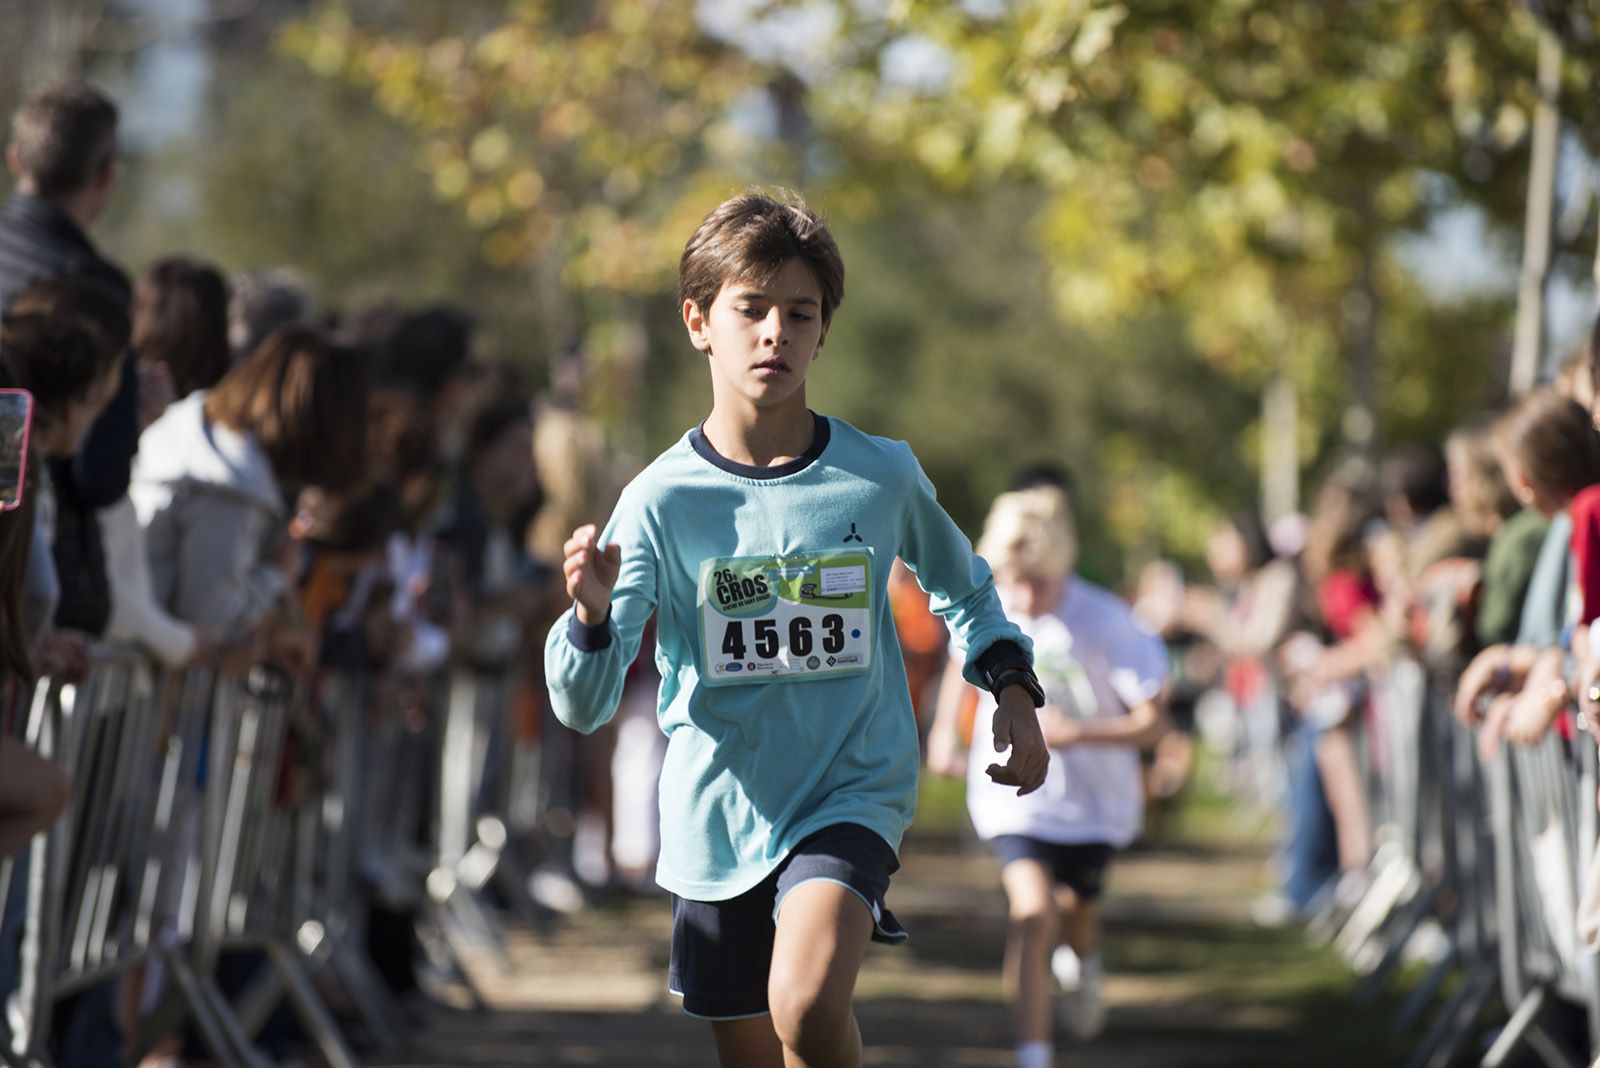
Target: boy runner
{"x":762,"y":542}
{"x":1105,"y":675}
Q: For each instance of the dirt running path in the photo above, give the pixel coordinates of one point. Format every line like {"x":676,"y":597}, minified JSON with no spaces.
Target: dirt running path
{"x":1191,"y":982}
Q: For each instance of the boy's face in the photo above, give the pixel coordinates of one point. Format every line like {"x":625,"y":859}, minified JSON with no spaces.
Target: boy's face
{"x":761,"y":340}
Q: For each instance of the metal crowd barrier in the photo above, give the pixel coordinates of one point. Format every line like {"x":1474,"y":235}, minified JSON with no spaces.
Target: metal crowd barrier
{"x":215,"y":813}
{"x":1491,"y":853}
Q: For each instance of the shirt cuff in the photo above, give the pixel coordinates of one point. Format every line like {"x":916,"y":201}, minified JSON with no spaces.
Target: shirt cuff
{"x":589,"y":638}
{"x":997,"y":654}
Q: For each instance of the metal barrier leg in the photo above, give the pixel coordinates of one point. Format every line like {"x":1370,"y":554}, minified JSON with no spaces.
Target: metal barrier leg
{"x":1411,"y":1009}
{"x":1516,"y":1027}
{"x":199,"y":999}
{"x":312,"y":1012}
{"x":1419,"y":909}
{"x":1454,"y":1023}
{"x":379,"y":1013}
{"x":256,"y":1004}
{"x":1551,"y":1051}
{"x":446,"y":957}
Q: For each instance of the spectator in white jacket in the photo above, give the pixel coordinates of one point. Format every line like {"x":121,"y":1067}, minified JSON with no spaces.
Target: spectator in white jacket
{"x":180,"y":342}
{"x":214,"y":473}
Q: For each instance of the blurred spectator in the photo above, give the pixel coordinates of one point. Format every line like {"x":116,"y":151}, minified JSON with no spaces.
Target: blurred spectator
{"x":1416,"y":503}
{"x":426,"y":354}
{"x":216,"y":468}
{"x":1326,"y":673}
{"x":179,"y":339}
{"x":923,"y":638}
{"x":262,"y":302}
{"x":72,"y":375}
{"x":576,"y":481}
{"x":84,"y":602}
{"x":180,"y":324}
{"x":1483,"y":499}
{"x":33,"y":791}
{"x":63,"y":152}
{"x":487,"y":531}
{"x":345,"y":589}
{"x":1551,"y":452}
{"x":425,"y":601}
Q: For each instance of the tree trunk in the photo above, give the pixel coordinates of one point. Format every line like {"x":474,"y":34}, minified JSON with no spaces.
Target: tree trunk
{"x":1280,"y":455}
{"x":1537,"y":227}
{"x":1361,"y":310}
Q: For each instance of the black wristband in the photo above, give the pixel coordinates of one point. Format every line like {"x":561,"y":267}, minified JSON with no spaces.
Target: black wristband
{"x":991,"y":667}
{"x":1023,"y":677}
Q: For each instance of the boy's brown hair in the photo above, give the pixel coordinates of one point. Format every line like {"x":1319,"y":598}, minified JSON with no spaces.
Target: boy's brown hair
{"x":304,"y":399}
{"x":750,"y":238}
{"x":1553,"y":441}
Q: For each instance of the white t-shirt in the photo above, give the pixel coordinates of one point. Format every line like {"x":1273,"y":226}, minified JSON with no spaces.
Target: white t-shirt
{"x":1095,"y":660}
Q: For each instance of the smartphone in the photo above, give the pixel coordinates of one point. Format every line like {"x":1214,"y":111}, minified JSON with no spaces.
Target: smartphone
{"x":16,"y":427}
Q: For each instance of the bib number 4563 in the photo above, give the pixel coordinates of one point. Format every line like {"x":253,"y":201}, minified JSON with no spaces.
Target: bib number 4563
{"x":768,"y":638}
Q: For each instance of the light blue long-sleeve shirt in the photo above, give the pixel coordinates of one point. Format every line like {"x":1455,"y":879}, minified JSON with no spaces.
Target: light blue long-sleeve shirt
{"x":783,"y":694}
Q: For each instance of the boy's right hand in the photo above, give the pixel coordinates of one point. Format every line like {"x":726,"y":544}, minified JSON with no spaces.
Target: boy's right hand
{"x":591,"y":573}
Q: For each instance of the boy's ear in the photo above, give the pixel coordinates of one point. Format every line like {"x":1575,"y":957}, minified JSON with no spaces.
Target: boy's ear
{"x":823,"y":339}
{"x":695,"y":322}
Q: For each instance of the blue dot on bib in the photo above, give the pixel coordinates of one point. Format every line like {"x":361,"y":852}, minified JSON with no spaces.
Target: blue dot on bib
{"x":856,"y":633}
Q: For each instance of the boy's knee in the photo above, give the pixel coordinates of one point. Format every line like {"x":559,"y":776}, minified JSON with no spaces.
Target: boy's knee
{"x":1031,"y":914}
{"x":807,"y":1016}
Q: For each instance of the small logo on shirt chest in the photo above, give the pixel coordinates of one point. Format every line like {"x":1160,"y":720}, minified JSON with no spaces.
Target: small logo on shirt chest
{"x":853,"y":535}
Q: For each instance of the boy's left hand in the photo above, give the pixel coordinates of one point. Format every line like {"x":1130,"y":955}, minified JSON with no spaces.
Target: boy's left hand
{"x":1016,"y":727}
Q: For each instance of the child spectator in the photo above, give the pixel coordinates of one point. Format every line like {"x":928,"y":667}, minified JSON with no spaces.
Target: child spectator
{"x":1552,"y":454}
{"x":762,"y":541}
{"x":1103,"y":674}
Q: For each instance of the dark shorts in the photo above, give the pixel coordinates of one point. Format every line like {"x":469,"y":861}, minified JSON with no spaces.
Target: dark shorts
{"x":1081,"y":867}
{"x":722,"y":950}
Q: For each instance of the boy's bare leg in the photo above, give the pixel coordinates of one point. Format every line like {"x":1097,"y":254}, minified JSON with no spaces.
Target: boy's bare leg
{"x":1080,"y":922}
{"x":748,"y":1043}
{"x":823,"y":931}
{"x":1030,"y":939}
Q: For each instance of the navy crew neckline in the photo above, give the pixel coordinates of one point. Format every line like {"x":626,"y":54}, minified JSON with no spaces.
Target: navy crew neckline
{"x":819,"y":441}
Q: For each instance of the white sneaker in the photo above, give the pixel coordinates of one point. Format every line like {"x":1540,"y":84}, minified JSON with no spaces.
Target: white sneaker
{"x":1064,"y":965}
{"x":1082,"y":1005}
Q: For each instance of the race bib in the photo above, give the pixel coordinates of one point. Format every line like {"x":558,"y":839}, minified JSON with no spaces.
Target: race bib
{"x":807,"y":616}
